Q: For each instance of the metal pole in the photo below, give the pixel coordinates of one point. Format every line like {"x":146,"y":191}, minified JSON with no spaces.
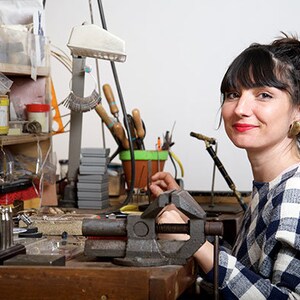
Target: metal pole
{"x":216,"y":268}
{"x":70,"y":192}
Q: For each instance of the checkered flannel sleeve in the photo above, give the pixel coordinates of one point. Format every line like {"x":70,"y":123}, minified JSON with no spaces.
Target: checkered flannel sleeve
{"x":280,"y":256}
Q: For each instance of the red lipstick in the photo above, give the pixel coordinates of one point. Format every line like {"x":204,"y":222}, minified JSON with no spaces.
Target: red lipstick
{"x":241,"y":127}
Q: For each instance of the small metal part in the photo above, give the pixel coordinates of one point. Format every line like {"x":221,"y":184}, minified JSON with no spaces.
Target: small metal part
{"x":36,"y":260}
{"x":3,"y":229}
{"x":25,"y":218}
{"x":64,"y":238}
{"x":32,"y":127}
{"x":10,"y":227}
{"x":203,"y":137}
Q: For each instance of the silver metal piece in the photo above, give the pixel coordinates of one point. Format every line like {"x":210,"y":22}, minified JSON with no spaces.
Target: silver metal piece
{"x":1,"y":230}
{"x":82,"y":104}
{"x":4,"y":232}
{"x":26,"y":219}
{"x":203,"y":137}
{"x":10,"y":226}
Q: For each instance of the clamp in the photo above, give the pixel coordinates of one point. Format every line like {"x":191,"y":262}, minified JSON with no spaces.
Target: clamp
{"x":134,"y":241}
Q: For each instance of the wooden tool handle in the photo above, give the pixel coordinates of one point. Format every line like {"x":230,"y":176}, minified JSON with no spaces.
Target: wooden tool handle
{"x":119,"y":132}
{"x":138,"y":123}
{"x":110,"y":99}
{"x":104,"y":116}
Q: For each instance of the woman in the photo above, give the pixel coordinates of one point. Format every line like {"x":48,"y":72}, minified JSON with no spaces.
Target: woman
{"x":261,"y":111}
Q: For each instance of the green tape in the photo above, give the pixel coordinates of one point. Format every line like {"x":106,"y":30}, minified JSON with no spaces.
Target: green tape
{"x":144,"y":155}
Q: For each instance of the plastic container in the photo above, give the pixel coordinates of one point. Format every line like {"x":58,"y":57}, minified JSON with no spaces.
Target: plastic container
{"x":147,"y":163}
{"x":5,"y":84}
{"x":40,"y":113}
{"x":64,"y":164}
{"x":4,"y":114}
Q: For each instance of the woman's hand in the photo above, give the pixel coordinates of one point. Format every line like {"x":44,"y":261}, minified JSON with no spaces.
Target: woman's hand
{"x":204,"y":255}
{"x":172,"y":215}
{"x":161,"y":182}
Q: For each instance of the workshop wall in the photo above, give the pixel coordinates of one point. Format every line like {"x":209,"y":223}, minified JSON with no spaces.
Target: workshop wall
{"x":177,"y":53}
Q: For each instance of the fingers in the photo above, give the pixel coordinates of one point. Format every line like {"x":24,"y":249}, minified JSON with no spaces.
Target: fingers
{"x":160,"y":183}
{"x":155,"y":190}
{"x":165,"y":181}
{"x":170,"y":216}
{"x":165,"y":176}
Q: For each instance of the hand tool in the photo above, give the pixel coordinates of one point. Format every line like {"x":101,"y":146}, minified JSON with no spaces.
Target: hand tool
{"x":109,"y":122}
{"x":158,"y":144}
{"x":119,"y":132}
{"x":111,"y":100}
{"x":131,"y":129}
{"x":139,"y":127}
{"x":203,"y":137}
{"x":208,"y":142}
{"x":167,"y":144}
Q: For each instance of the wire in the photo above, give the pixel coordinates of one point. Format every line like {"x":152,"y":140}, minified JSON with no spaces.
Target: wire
{"x":113,"y":67}
{"x":62,"y":57}
{"x":173,"y":162}
{"x":98,"y":76}
{"x":178,"y":161}
{"x":61,"y":60}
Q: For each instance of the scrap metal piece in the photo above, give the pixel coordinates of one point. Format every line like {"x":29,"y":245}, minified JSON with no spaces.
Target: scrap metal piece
{"x":36,"y":260}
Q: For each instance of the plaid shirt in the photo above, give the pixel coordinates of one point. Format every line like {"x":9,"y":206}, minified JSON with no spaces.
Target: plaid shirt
{"x":265,"y":260}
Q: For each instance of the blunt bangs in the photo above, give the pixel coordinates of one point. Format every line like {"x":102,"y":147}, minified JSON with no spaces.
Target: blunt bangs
{"x":254,"y":67}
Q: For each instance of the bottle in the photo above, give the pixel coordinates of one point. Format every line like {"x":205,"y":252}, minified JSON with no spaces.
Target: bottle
{"x":40,"y":113}
{"x":4,"y":114}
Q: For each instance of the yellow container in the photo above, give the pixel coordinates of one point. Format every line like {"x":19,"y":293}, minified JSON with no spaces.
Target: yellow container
{"x":4,"y":114}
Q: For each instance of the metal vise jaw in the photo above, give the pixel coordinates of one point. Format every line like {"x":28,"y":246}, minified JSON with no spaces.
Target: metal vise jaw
{"x":143,"y":248}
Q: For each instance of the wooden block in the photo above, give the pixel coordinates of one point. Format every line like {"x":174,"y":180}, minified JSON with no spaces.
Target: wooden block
{"x":49,"y":197}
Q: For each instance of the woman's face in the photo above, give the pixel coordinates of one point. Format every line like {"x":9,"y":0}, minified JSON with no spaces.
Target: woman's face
{"x":258,"y":119}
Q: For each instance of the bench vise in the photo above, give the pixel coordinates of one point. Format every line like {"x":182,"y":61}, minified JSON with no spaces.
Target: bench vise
{"x":134,"y":241}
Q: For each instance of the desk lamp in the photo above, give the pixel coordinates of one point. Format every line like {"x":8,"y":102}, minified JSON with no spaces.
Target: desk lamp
{"x":87,"y":40}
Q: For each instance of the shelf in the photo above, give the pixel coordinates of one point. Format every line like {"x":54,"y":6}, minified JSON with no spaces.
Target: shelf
{"x":11,"y":69}
{"x":6,"y":140}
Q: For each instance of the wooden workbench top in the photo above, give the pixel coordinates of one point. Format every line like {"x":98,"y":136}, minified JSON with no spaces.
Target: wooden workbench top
{"x":90,"y":278}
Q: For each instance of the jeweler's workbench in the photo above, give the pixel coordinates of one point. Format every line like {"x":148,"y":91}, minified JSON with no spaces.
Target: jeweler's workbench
{"x":80,"y":276}
{"x":88,"y":277}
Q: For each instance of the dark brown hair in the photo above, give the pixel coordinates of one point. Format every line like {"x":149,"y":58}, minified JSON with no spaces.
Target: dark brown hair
{"x":274,"y":65}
